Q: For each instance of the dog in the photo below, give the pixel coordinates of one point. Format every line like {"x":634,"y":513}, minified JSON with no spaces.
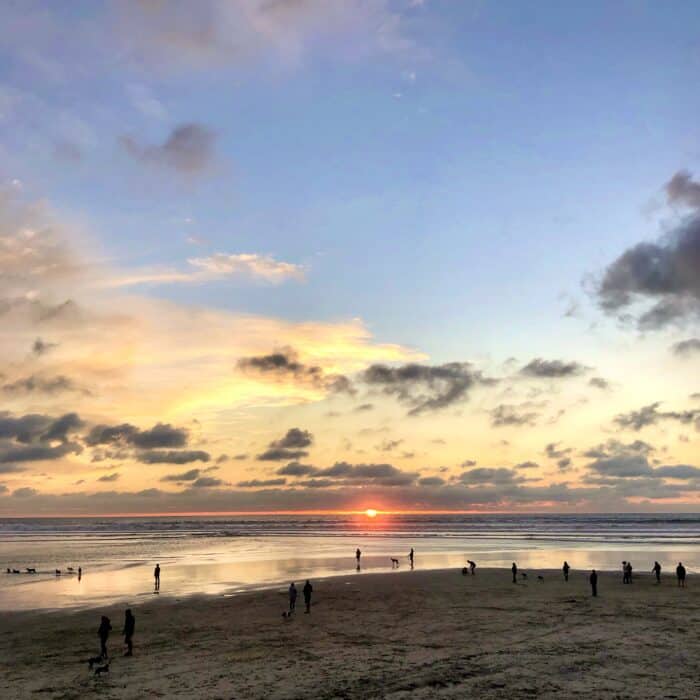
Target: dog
{"x":16,"y":571}
{"x":70,"y":568}
{"x":31,"y":570}
{"x":523,"y":574}
{"x":287,"y":615}
{"x":94,"y":660}
{"x":58,"y":572}
{"x":394,"y":563}
{"x":102,"y":669}
{"x":540,"y":579}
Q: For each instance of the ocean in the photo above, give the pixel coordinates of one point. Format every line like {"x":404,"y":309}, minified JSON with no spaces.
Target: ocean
{"x":225,"y":555}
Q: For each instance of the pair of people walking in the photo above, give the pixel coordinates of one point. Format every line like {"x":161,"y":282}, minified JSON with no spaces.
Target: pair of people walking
{"x":106,"y":627}
{"x":307,"y":590}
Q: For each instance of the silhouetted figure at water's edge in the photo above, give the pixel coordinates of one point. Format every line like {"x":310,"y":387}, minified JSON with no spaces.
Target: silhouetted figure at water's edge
{"x":593,"y":580}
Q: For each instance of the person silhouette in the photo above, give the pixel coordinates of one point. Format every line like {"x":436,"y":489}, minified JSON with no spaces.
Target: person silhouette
{"x":103,"y":633}
{"x":358,"y":554}
{"x":628,"y":571}
{"x":593,"y":579}
{"x":410,"y":557}
{"x":514,"y":570}
{"x":156,"y":576}
{"x":656,"y":570}
{"x":292,"y":596}
{"x":80,"y":572}
{"x":307,"y":591}
{"x":680,"y":574}
{"x":565,"y":569}
{"x":472,"y":566}
{"x":624,"y":572}
{"x":129,"y":626}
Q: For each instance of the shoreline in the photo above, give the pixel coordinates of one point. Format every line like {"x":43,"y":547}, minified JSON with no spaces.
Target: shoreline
{"x":411,"y":634}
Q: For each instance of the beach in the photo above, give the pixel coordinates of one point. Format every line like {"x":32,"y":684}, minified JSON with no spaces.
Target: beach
{"x":402,"y":634}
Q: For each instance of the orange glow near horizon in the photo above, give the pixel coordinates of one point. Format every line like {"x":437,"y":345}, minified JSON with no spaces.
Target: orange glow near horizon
{"x":371,"y":513}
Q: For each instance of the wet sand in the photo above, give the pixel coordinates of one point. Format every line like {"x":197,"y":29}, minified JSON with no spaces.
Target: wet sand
{"x":406,"y":634}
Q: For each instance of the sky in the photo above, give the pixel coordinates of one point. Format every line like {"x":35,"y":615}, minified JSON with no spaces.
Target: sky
{"x":321,"y":255}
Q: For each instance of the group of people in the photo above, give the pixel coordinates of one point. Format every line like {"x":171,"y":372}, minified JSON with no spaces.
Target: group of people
{"x":307,"y":590}
{"x":106,"y":627}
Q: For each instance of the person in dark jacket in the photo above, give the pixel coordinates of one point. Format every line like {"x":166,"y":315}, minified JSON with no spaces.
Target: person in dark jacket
{"x":103,"y":633}
{"x":156,"y":577}
{"x":593,"y":579}
{"x":129,"y":626}
{"x":472,"y":566}
{"x":514,"y":571}
{"x":292,"y":597}
{"x":680,"y":574}
{"x":657,"y":571}
{"x":410,"y":557}
{"x":565,"y":569}
{"x":307,"y":591}
{"x":358,"y":554}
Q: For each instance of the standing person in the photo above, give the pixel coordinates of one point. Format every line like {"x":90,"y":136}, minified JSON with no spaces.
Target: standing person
{"x":292,"y":597}
{"x":307,"y":591}
{"x":629,"y":572}
{"x":129,"y":626}
{"x":593,"y":579}
{"x":358,"y":554}
{"x":410,"y":557}
{"x":680,"y":574}
{"x":514,"y":570}
{"x":472,"y":566}
{"x":624,"y":572}
{"x":657,"y":571}
{"x":80,"y":572}
{"x":565,"y":569}
{"x":103,"y":633}
{"x":156,"y":576}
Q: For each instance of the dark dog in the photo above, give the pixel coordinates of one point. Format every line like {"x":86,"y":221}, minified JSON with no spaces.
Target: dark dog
{"x":94,"y":660}
{"x":31,"y":570}
{"x":58,"y":572}
{"x":102,"y":669}
{"x":394,"y":563}
{"x":524,"y":575}
{"x":540,"y":579}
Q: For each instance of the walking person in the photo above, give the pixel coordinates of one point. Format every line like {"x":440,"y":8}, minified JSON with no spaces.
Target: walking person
{"x":565,"y":569}
{"x":358,"y":554}
{"x":129,"y":626}
{"x":657,"y":571}
{"x":103,"y":633}
{"x":410,"y":557}
{"x":292,"y":597}
{"x":629,"y":572}
{"x":680,"y":574}
{"x":307,"y":591}
{"x":472,"y":566}
{"x":593,"y":580}
{"x":514,"y":571}
{"x":156,"y":577}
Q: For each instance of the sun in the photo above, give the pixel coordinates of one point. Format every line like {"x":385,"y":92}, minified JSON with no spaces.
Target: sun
{"x":371,"y":513}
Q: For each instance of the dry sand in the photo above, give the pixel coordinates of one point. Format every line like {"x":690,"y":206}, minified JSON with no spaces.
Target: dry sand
{"x":408,"y":634}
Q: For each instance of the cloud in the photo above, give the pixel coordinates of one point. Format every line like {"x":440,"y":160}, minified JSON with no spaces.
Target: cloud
{"x":487,"y":475}
{"x":468,"y":463}
{"x":552,"y":369}
{"x":678,"y":471}
{"x":206,"y":482}
{"x":160,"y":435}
{"x":25,"y":492}
{"x":289,"y":447}
{"x":296,"y":469}
{"x":33,"y":437}
{"x":363,"y":407}
{"x":10,"y":468}
{"x":599,"y":383}
{"x":388,"y":445}
{"x":666,"y":273}
{"x":41,"y":347}
{"x":650,"y":415}
{"x":42,"y":385}
{"x":261,"y":483}
{"x":190,"y":475}
{"x":109,"y":477}
{"x":189,"y":149}
{"x":506,"y":415}
{"x":553,"y":451}
{"x":526,"y":465}
{"x":172,"y":456}
{"x":431,"y":481}
{"x":686,"y":348}
{"x":426,"y":388}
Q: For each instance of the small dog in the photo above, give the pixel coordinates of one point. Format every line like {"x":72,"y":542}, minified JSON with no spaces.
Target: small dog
{"x":540,"y":579}
{"x":394,"y":563}
{"x":94,"y":660}
{"x":58,"y":572}
{"x":102,"y":669}
{"x":70,"y":568}
{"x":16,"y":571}
{"x":30,"y":570}
{"x":287,"y":615}
{"x":524,"y":575}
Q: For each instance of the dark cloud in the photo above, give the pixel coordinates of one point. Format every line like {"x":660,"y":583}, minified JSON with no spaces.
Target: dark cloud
{"x":599,"y":383}
{"x":10,"y":468}
{"x":36,"y":453}
{"x":686,"y":348}
{"x":25,"y":492}
{"x":426,"y":387}
{"x":296,"y":469}
{"x":160,"y":435}
{"x":109,"y":477}
{"x":172,"y":456}
{"x":552,"y":369}
{"x":385,"y":474}
{"x":207,"y":482}
{"x":41,"y":347}
{"x":289,"y":447}
{"x":526,"y":465}
{"x":553,"y":451}
{"x":678,"y":471}
{"x":364,"y":407}
{"x":564,"y":464}
{"x":488,"y":475}
{"x":42,"y":385}
{"x":507,"y":415}
{"x":285,"y":365}
{"x":35,"y":427}
{"x":388,"y":445}
{"x":650,"y":415}
{"x":666,"y":272}
{"x":188,"y":149}
{"x":468,"y":463}
{"x":261,"y":483}
{"x":190,"y":475}
{"x":431,"y":481}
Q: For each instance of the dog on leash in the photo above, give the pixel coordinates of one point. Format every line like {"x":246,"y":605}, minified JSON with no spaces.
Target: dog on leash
{"x":394,"y":563}
{"x":94,"y":660}
{"x":102,"y":669}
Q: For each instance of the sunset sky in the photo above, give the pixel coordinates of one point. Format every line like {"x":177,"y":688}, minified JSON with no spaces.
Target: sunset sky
{"x":338,"y":254}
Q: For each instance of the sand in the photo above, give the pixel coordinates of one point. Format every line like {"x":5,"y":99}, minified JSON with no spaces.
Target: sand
{"x":406,"y":634}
